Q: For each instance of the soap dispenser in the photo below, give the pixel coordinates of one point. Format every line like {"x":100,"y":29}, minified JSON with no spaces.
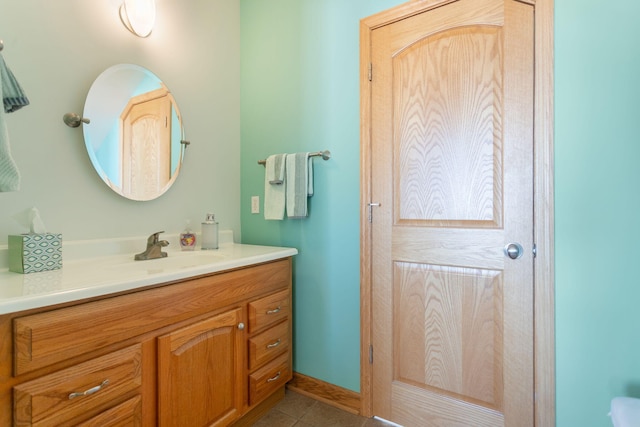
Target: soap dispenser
{"x":187,"y":238}
{"x":209,"y":233}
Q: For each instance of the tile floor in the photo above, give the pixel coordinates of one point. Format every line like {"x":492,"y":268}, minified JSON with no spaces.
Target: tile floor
{"x":297,"y":410}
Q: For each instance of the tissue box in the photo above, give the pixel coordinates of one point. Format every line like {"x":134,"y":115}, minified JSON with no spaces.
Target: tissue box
{"x":32,"y":253}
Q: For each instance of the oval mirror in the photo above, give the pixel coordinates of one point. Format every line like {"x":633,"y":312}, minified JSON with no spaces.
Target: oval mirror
{"x":135,"y":135}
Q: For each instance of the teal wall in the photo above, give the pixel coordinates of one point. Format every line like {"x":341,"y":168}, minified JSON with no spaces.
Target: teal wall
{"x":300,"y":92}
{"x":597,"y":141}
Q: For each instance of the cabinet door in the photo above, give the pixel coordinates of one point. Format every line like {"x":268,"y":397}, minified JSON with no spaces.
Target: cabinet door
{"x":200,"y":371}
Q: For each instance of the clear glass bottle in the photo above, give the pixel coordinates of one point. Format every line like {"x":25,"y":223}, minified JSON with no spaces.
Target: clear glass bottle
{"x":187,"y":238}
{"x":209,"y":237}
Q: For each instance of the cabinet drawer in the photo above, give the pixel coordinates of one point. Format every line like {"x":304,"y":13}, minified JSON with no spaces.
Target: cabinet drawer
{"x":80,"y":391}
{"x":127,"y":414}
{"x":268,"y":344}
{"x":57,"y":335}
{"x":269,"y":378}
{"x":269,"y":310}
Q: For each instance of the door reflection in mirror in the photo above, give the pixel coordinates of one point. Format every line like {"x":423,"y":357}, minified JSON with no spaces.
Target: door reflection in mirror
{"x":134,"y":138}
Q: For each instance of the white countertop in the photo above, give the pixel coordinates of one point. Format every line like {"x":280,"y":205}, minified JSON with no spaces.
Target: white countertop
{"x":87,"y":277}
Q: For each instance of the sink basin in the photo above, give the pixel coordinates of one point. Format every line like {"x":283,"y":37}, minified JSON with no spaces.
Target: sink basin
{"x":174,"y":261}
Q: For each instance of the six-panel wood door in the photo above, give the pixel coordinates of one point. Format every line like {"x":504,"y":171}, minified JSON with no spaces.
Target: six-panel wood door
{"x":452,"y":169}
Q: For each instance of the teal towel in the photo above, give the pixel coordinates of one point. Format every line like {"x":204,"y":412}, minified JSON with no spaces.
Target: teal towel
{"x":299,"y":179}
{"x":13,"y":99}
{"x":13,"y":96}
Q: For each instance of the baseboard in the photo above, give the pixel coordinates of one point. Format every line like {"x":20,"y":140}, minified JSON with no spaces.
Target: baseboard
{"x":330,"y":394}
{"x":251,"y":417}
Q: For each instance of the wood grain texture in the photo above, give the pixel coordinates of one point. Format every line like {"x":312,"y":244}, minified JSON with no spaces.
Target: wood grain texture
{"x":137,"y":320}
{"x":448,"y":157}
{"x":365,"y":209}
{"x":439,"y":410}
{"x":269,"y":310}
{"x":200,"y":372}
{"x":269,"y":378}
{"x":545,"y":412}
{"x":146,"y":144}
{"x":127,"y":414}
{"x":402,"y":11}
{"x":331,"y":394}
{"x":43,"y":339}
{"x":45,"y":401}
{"x":450,"y":246}
{"x":448,"y":331}
{"x":269,"y":344}
{"x":543,"y":196}
{"x":261,"y":409}
{"x":451,"y":147}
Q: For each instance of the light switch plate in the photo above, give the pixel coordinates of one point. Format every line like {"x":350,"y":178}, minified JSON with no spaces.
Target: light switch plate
{"x":255,"y":204}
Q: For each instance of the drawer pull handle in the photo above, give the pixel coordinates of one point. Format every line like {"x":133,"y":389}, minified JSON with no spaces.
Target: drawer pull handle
{"x":274,"y":311}
{"x":90,"y":391}
{"x":274,"y":344}
{"x":272,"y":379}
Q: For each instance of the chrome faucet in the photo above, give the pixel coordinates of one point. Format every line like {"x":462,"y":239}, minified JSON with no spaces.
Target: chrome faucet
{"x":154,"y":248}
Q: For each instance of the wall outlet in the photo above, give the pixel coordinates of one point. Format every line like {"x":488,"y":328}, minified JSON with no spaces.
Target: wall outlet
{"x":255,"y":204}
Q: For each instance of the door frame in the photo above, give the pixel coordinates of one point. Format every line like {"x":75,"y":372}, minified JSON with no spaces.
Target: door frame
{"x":543,"y":198}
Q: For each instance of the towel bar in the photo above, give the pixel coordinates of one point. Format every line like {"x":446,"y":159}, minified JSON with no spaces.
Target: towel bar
{"x":326,"y":155}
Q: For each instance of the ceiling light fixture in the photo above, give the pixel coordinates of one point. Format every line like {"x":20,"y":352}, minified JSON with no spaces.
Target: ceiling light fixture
{"x":138,"y":16}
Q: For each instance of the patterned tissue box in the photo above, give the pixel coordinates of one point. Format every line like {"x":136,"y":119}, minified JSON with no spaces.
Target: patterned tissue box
{"x":33,"y":253}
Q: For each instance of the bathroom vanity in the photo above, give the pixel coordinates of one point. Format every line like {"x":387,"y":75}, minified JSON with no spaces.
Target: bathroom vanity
{"x":203,"y":339}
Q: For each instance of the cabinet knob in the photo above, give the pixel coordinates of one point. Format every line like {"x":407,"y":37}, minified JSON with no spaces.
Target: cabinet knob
{"x":241,"y":326}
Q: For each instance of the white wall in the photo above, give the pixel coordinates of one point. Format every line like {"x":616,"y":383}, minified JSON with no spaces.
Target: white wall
{"x":57,"y":48}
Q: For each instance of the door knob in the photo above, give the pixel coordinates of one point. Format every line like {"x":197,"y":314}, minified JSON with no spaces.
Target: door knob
{"x":513,"y":250}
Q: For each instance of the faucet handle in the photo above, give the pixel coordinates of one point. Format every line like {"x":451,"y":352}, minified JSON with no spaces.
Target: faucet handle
{"x":154,"y":237}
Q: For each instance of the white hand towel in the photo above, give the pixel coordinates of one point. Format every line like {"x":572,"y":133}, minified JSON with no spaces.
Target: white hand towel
{"x":299,"y":184}
{"x":274,"y":187}
{"x":278,"y":169}
{"x":9,"y":174}
{"x":13,"y":99}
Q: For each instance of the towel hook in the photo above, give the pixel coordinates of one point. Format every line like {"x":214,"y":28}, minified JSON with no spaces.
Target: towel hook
{"x":1,"y":45}
{"x":73,"y":120}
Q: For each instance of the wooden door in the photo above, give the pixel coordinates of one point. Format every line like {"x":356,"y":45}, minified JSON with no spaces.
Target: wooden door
{"x":451,"y":134}
{"x":200,"y":373}
{"x":146,"y":145}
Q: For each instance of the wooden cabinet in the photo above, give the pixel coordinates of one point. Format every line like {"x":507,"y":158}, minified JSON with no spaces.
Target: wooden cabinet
{"x":207,"y":351}
{"x":269,"y":361}
{"x":61,"y":397}
{"x":200,"y":372}
{"x":127,"y":414}
{"x":265,"y":346}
